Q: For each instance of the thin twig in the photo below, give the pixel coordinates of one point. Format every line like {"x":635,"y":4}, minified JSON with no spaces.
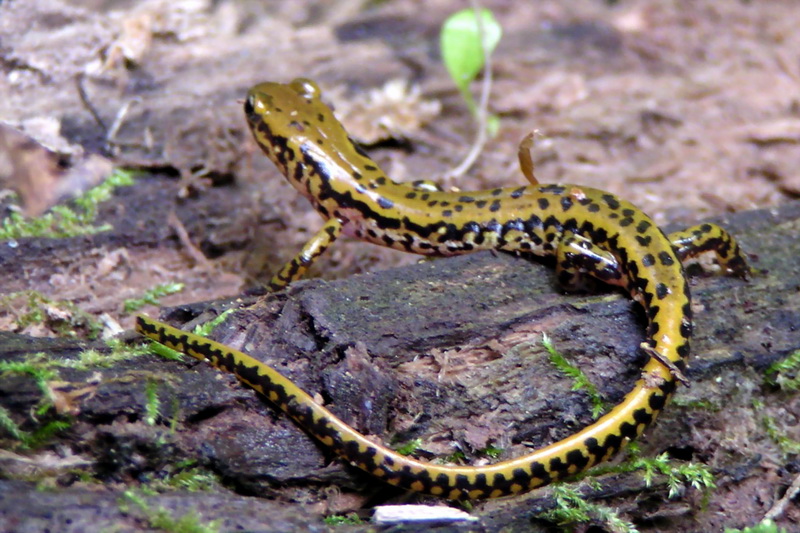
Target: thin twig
{"x":79,"y":79}
{"x":183,"y":236}
{"x":669,"y":365}
{"x":780,"y":506}
{"x":122,"y":113}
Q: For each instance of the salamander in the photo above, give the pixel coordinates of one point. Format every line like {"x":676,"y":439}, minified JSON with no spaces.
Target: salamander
{"x":593,"y":235}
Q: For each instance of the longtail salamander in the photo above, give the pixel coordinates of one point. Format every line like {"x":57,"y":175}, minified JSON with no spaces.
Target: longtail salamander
{"x":591,"y":233}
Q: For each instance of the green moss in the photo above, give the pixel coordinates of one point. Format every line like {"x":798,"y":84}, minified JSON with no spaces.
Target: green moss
{"x":339,"y":520}
{"x":43,"y":370}
{"x":176,"y":412}
{"x":89,"y":359}
{"x":160,"y":518}
{"x":62,"y":316}
{"x":409,"y":447}
{"x":10,"y":427}
{"x":37,"y":368}
{"x":152,"y":403}
{"x":773,"y":431}
{"x":581,"y":381}
{"x":152,"y":296}
{"x":456,"y":457}
{"x":184,"y":475}
{"x":42,"y":435}
{"x":678,"y":474}
{"x":700,"y":404}
{"x":203,"y":330}
{"x":206,"y":329}
{"x":784,"y":373}
{"x":765,"y":526}
{"x":45,"y":433}
{"x":165,"y":351}
{"x":786,"y":444}
{"x":571,"y":508}
{"x":191,"y":478}
{"x":35,"y":365}
{"x":63,"y":221}
{"x":492,"y":451}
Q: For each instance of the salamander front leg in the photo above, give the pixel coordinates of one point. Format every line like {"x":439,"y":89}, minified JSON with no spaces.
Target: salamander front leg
{"x":297,"y":267}
{"x":691,"y":242}
{"x":579,"y":262}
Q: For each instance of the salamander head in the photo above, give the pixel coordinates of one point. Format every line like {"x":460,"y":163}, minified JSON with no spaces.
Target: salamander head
{"x":287,"y":108}
{"x":301,"y":135}
{"x":291,"y":117}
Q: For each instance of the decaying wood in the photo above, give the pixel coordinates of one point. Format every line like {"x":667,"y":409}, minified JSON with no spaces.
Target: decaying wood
{"x":447,"y":351}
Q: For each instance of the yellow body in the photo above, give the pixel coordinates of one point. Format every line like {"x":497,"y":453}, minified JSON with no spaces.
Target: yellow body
{"x":592,"y":234}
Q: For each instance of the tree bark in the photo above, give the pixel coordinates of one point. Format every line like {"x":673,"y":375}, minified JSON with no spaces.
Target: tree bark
{"x":446,"y":351}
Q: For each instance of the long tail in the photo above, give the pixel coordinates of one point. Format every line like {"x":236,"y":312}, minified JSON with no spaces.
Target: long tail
{"x":594,"y":444}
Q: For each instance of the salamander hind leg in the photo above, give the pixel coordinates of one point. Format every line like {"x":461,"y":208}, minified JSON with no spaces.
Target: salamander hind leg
{"x":710,"y":238}
{"x":579,"y":262}
{"x":299,"y":265}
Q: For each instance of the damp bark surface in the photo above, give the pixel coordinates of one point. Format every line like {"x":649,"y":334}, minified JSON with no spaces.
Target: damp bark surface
{"x":448,"y":352}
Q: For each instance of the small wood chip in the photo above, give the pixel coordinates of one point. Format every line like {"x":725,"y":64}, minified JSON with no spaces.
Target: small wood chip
{"x":394,"y":514}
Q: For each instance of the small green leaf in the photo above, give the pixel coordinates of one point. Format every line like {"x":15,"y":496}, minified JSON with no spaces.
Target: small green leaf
{"x":492,"y":451}
{"x":342,"y":520}
{"x":409,"y":447}
{"x":461,"y":48}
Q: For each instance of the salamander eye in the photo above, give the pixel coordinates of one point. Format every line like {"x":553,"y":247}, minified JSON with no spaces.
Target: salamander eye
{"x":305,"y":88}
{"x":249,"y":105}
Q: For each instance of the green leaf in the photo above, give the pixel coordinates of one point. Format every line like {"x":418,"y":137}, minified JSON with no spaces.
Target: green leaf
{"x":461,"y":49}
